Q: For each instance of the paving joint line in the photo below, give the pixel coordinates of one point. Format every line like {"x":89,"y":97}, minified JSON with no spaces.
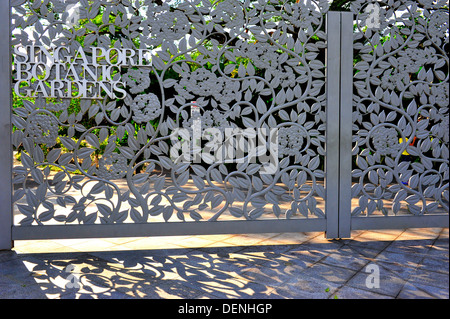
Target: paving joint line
{"x":418,"y":264}
{"x":371,"y":259}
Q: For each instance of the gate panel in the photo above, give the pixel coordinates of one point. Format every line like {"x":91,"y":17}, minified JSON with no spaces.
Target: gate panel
{"x":106,"y":136}
{"x":400,"y":115}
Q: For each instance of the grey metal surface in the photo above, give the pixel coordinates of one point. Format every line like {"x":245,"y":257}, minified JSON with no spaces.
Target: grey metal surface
{"x":332,"y":142}
{"x":256,"y":65}
{"x":167,"y":229}
{"x":400,"y":114}
{"x":5,"y":130}
{"x":399,"y":222}
{"x":105,"y":166}
{"x":345,"y":129}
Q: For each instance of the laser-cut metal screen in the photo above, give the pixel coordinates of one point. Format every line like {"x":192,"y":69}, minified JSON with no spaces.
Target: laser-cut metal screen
{"x":102,"y":87}
{"x":140,"y":118}
{"x":400,"y":109}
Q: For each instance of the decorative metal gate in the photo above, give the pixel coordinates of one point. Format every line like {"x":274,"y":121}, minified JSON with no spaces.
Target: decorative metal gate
{"x":399,"y":115}
{"x":146,"y":118}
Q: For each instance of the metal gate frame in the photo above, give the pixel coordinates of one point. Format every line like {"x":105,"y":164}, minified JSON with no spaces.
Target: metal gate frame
{"x":338,"y":222}
{"x":6,"y":207}
{"x":347,"y":222}
{"x":339,"y":102}
{"x":340,"y":106}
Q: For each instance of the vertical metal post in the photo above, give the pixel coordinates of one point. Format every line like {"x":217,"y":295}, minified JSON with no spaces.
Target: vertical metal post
{"x":345,"y":132}
{"x":6,"y":218}
{"x":332,"y":126}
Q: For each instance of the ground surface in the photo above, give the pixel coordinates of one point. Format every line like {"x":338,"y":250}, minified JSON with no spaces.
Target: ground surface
{"x":411,"y":263}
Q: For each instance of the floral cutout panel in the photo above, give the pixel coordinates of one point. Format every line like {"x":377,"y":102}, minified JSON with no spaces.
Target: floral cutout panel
{"x":400,"y":108}
{"x":111,"y":97}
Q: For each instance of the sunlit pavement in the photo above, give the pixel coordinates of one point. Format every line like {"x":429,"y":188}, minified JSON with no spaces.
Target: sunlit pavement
{"x":403,"y":264}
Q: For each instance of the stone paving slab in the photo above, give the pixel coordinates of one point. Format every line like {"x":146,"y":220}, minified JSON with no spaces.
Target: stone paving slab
{"x":412,"y":263}
{"x":414,"y":290}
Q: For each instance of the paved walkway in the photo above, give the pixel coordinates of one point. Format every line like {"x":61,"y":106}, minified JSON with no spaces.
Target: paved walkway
{"x":412,"y":263}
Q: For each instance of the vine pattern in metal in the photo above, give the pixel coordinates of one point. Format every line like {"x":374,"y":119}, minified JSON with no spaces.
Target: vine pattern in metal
{"x":400,"y":108}
{"x":246,"y":64}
